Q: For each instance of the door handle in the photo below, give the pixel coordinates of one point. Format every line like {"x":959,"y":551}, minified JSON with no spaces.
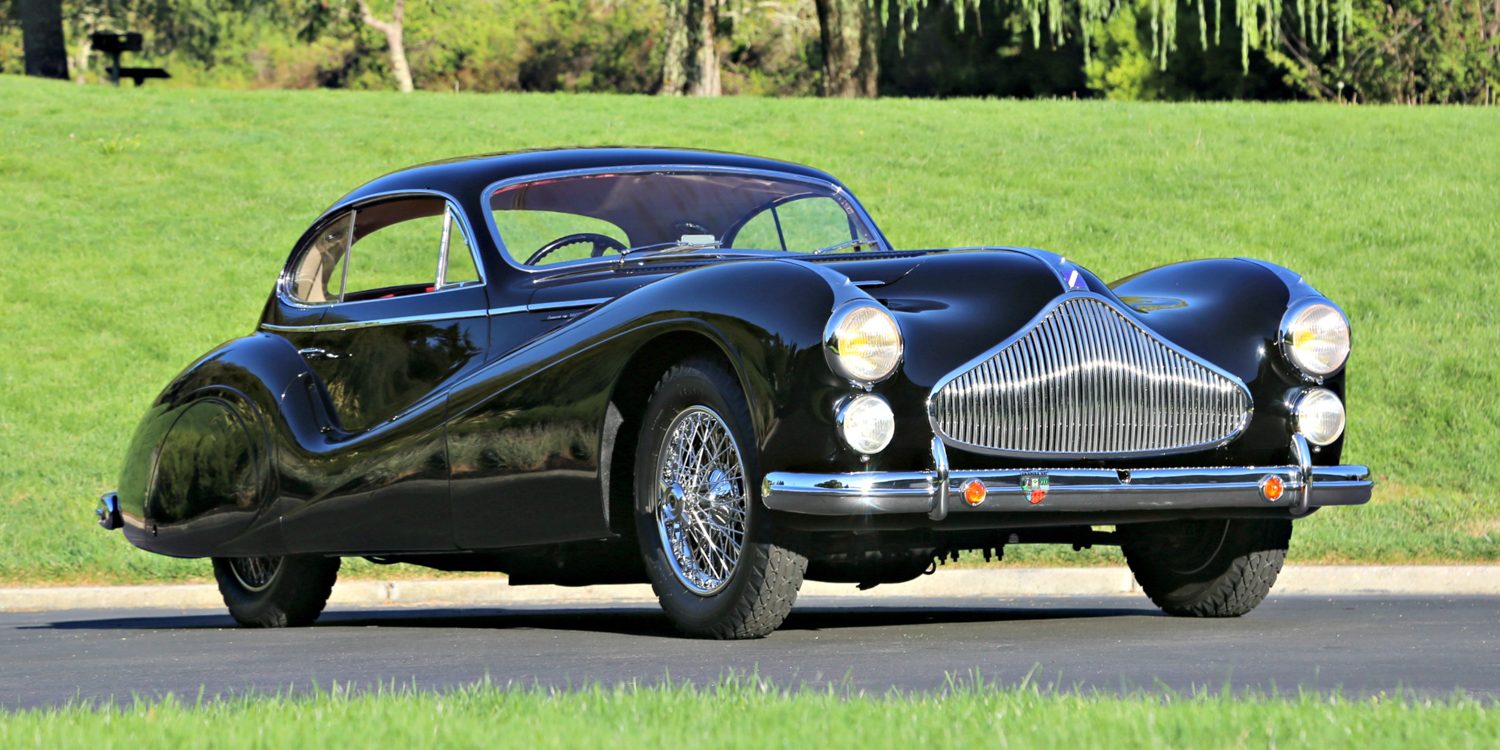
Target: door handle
{"x":315,"y":353}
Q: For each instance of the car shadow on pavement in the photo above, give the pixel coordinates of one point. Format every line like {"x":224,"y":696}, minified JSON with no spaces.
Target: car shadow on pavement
{"x":640,"y":620}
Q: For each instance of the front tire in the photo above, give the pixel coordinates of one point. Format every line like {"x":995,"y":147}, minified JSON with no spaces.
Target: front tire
{"x":276,"y":592}
{"x":704,"y":535}
{"x":1215,"y":568}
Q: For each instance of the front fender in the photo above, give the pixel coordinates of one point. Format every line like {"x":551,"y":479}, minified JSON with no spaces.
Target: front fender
{"x":1229,"y":312}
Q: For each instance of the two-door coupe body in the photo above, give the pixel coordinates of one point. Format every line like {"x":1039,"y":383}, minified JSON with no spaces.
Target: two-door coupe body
{"x":712,"y":372}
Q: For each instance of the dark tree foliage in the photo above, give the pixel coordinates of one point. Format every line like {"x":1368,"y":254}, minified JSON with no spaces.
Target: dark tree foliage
{"x":1411,"y":51}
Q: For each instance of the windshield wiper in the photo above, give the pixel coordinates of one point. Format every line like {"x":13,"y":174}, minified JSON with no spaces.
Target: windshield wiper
{"x":845,"y":245}
{"x":675,"y":246}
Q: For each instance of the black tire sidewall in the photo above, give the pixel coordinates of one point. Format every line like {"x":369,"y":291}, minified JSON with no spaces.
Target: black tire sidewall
{"x":295,"y":596}
{"x":1183,"y":583}
{"x":687,"y":385}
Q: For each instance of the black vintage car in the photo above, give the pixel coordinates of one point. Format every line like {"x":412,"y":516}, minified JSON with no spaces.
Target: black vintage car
{"x":713,"y":373}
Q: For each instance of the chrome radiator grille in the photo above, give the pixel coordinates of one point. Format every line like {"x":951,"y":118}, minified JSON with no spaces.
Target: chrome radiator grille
{"x":1087,"y":380}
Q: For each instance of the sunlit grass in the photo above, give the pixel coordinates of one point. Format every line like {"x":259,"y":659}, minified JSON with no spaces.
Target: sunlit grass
{"x":750,"y":714}
{"x":139,"y":228}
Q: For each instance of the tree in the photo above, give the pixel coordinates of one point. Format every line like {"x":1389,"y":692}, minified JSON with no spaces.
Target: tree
{"x":42,"y":38}
{"x":690,"y":63}
{"x":850,"y":33}
{"x":393,"y":39}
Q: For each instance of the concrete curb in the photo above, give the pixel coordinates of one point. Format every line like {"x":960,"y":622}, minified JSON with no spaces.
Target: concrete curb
{"x":965,"y":584}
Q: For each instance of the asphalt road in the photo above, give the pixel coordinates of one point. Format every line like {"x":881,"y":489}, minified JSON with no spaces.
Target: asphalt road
{"x":1360,"y":645}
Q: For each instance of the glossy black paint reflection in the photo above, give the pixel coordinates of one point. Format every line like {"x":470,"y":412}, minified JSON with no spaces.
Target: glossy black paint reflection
{"x":500,"y":418}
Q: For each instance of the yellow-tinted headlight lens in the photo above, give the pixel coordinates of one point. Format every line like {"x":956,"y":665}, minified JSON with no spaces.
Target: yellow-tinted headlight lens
{"x":864,"y":343}
{"x":1317,"y":339}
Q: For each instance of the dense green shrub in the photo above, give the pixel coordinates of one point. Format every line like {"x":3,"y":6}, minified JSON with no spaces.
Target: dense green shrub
{"x":1409,"y":51}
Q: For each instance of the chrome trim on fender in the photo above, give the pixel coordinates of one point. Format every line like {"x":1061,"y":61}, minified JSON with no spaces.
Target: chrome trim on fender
{"x":563,"y":305}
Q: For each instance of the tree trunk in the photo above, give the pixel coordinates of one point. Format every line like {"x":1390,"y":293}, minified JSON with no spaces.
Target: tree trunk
{"x":690,"y":63}
{"x":674,"y":51}
{"x":394,"y":40}
{"x":850,"y":33}
{"x":42,"y":39}
{"x":80,"y":62}
{"x":705,"y":39}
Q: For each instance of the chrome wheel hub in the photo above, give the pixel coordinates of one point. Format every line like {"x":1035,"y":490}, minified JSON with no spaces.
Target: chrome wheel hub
{"x":254,"y":573}
{"x":702,"y":500}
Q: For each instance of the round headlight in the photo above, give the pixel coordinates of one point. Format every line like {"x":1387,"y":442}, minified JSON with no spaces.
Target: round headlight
{"x":863,"y":343}
{"x":866,"y":423}
{"x":1315,"y":337}
{"x":1319,"y":416}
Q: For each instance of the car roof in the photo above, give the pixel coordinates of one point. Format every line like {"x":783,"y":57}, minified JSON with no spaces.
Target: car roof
{"x":464,"y":178}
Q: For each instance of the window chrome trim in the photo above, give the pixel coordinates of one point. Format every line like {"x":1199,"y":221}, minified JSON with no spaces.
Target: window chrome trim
{"x":354,"y":324}
{"x":504,"y":253}
{"x":283,"y":293}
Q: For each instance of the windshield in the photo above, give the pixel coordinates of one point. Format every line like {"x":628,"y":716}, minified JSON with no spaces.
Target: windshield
{"x":555,"y":220}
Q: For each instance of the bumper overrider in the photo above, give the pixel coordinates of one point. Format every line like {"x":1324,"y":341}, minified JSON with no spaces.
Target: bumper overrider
{"x":940,"y":493}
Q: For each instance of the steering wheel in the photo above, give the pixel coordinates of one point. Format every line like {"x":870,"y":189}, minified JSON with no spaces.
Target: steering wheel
{"x":602,"y":243}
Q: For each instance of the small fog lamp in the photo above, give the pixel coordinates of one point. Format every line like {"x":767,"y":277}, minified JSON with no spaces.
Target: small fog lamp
{"x":1319,"y":415}
{"x":866,"y":423}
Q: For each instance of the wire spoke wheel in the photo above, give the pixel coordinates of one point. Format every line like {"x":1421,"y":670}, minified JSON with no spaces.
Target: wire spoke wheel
{"x":702,"y":500}
{"x":255,"y":573}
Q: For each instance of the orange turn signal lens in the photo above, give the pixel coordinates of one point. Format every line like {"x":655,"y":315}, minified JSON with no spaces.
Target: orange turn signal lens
{"x":1271,"y":488}
{"x":974,"y":492}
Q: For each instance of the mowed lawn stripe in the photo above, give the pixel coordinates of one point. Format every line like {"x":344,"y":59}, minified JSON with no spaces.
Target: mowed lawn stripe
{"x":140,"y":228}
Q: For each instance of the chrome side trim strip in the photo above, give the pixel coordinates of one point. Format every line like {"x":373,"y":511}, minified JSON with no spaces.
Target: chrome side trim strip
{"x":563,"y":305}
{"x":436,"y":317}
{"x":354,"y":324}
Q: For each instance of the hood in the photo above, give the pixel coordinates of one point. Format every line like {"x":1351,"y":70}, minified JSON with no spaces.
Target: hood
{"x":952,"y":305}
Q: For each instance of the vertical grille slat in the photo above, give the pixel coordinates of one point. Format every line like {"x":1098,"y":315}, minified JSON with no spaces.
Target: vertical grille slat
{"x":1087,"y":380}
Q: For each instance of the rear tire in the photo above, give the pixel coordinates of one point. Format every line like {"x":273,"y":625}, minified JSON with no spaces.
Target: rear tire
{"x":1215,"y":568}
{"x":276,"y":592}
{"x":704,"y":535}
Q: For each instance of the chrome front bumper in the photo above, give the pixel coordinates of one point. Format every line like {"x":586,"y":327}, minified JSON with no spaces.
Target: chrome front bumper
{"x":939,"y":493}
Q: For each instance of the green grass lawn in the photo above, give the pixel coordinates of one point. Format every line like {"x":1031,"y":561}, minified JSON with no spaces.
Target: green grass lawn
{"x":139,"y":228}
{"x":744,"y":714}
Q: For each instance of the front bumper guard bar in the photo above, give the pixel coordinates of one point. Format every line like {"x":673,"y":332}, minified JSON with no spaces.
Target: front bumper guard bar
{"x":939,"y":492}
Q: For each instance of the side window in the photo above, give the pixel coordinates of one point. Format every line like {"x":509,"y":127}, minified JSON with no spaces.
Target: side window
{"x":401,"y":247}
{"x":800,"y":225}
{"x":760,"y":233}
{"x":317,"y":276}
